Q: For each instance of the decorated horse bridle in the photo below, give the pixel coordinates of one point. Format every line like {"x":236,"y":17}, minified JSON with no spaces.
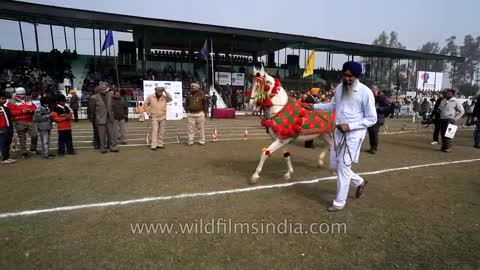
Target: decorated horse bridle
{"x":261,"y":98}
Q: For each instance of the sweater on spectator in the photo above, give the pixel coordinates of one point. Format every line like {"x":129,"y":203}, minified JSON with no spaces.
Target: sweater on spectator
{"x":119,"y":108}
{"x":451,"y":109}
{"x":5,"y":117}
{"x":16,"y":107}
{"x":42,"y":119}
{"x":59,"y":115}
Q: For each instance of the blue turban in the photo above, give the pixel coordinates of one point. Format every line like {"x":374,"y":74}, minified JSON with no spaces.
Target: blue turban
{"x":354,"y":67}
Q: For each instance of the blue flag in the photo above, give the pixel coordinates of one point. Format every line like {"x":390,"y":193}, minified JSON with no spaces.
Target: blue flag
{"x":108,"y":40}
{"x":204,"y":50}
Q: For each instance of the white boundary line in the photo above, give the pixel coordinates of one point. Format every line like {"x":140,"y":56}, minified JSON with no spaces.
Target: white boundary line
{"x":182,"y":136}
{"x":214,"y":193}
{"x":419,"y":131}
{"x":174,"y":128}
{"x":211,"y":126}
{"x":251,"y":137}
{"x":181,"y":142}
{"x":261,"y":136}
{"x":260,"y":133}
{"x":75,"y":131}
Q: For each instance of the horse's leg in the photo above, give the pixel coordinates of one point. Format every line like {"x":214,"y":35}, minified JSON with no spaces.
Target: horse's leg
{"x":321,"y":157}
{"x":287,"y":156}
{"x":333,"y":156}
{"x":272,"y":148}
{"x":327,"y":139}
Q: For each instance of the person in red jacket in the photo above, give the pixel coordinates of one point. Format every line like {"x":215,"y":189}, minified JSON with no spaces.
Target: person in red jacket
{"x":62,"y":115}
{"x":22,"y":110}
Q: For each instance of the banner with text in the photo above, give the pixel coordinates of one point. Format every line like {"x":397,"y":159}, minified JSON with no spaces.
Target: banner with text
{"x":238,"y":79}
{"x":175,"y":107}
{"x":223,"y":78}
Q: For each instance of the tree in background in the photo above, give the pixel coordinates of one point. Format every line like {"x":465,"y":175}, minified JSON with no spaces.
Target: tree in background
{"x":467,"y":89}
{"x":470,"y":50}
{"x":435,"y":66}
{"x":384,"y":70}
{"x":463,"y":74}
{"x":397,"y":73}
{"x":451,"y":49}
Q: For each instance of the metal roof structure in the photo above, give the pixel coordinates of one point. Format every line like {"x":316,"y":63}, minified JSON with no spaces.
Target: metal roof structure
{"x":224,"y":38}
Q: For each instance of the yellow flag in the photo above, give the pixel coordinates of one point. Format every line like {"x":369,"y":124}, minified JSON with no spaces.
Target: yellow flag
{"x":309,"y":65}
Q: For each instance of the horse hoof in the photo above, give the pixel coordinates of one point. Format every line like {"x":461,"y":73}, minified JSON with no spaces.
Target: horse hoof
{"x":254,"y":180}
{"x":286,"y":177}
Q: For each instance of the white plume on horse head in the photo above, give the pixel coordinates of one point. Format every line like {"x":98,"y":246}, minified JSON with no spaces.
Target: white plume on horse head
{"x":268,"y":80}
{"x":264,"y":87}
{"x":259,"y":79}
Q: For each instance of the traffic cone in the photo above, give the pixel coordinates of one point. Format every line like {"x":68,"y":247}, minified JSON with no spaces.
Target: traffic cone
{"x":245,"y":135}
{"x":214,"y":135}
{"x":178,"y":138}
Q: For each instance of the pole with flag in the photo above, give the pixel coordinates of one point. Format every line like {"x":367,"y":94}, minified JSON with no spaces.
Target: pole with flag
{"x":107,"y":44}
{"x":204,"y":54}
{"x":212,"y":86}
{"x":309,"y":65}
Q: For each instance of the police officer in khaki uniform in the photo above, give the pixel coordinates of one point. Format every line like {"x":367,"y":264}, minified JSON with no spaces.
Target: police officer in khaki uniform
{"x":156,"y":108}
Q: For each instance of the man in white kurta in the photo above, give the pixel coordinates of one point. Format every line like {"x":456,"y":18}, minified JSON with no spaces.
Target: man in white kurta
{"x":354,"y":107}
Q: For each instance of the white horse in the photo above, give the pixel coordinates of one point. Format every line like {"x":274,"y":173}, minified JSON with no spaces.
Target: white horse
{"x":287,"y":119}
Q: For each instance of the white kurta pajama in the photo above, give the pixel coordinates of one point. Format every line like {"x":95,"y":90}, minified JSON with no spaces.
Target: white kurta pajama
{"x":357,"y":109}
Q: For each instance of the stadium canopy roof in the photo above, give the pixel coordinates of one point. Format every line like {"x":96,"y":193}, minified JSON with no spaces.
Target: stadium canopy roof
{"x":224,"y":38}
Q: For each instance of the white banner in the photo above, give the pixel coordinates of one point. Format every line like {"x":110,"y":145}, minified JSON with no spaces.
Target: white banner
{"x":238,"y":79}
{"x":428,"y":80}
{"x":411,"y":94}
{"x":223,"y":78}
{"x":175,"y":107}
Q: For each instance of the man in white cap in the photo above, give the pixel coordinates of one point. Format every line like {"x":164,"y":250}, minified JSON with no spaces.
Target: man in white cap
{"x":195,"y":104}
{"x":156,"y":107}
{"x":22,"y":109}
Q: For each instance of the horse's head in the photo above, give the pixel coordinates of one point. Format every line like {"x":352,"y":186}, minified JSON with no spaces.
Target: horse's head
{"x":263,"y":88}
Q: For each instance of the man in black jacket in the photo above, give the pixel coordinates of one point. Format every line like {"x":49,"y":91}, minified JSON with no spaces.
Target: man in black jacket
{"x":6,"y":130}
{"x":435,"y":115}
{"x":476,"y":121}
{"x":383,"y":107}
{"x":213,"y":103}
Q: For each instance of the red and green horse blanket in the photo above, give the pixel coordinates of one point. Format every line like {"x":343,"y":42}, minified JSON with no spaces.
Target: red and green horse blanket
{"x":294,"y":120}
